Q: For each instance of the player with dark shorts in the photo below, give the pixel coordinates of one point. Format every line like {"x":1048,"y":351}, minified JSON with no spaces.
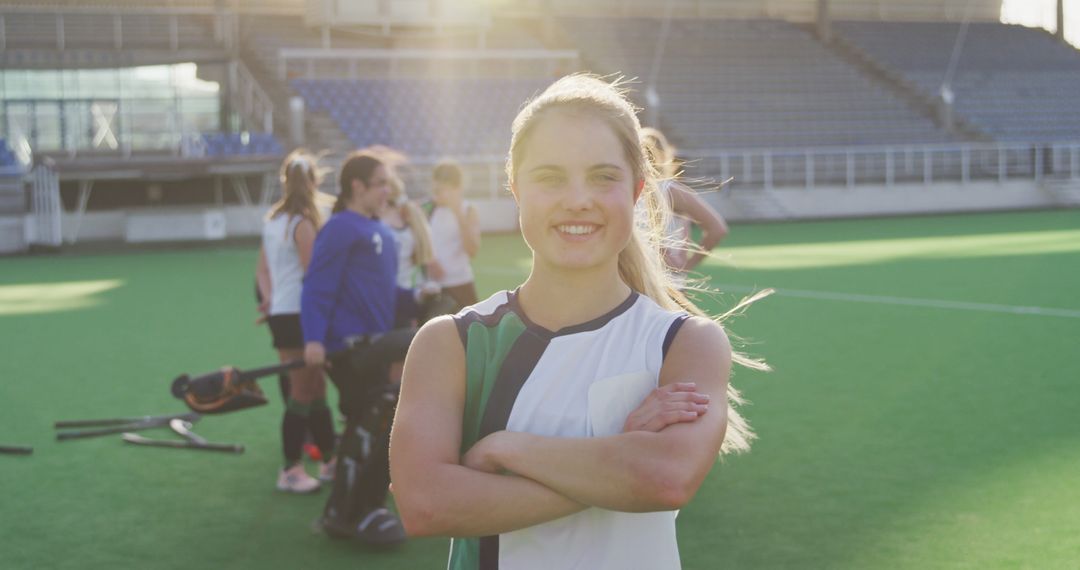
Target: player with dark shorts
{"x":288,"y":235}
{"x":348,"y":305}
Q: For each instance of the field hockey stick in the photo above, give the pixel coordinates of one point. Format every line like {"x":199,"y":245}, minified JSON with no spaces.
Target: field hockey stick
{"x":183,"y":428}
{"x":141,"y":425}
{"x":66,"y":424}
{"x":16,"y":449}
{"x":137,"y":439}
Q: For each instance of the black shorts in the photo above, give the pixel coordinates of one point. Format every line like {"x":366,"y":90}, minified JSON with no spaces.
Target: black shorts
{"x":286,"y":331}
{"x":362,"y":372}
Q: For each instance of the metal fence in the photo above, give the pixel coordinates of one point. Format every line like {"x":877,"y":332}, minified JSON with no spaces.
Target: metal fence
{"x":808,"y":168}
{"x":46,"y":207}
{"x":857,"y":166}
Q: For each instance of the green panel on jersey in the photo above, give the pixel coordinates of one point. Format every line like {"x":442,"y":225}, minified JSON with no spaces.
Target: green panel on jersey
{"x":464,"y":554}
{"x":486,"y":349}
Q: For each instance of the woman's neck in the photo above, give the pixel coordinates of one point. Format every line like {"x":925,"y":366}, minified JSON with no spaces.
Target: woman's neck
{"x":391,"y":216}
{"x":558,"y":299}
{"x":360,"y":210}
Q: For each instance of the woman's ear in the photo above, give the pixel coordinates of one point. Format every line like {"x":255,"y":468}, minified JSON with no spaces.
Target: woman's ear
{"x":638,"y":189}
{"x":358,"y":186}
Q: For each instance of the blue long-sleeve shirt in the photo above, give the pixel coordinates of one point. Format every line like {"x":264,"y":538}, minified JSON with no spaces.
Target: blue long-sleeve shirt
{"x":350,"y":287}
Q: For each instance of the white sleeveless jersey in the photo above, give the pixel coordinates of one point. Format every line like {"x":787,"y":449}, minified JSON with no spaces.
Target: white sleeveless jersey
{"x":581,"y":381}
{"x":406,"y":245}
{"x":449,"y":248}
{"x":286,"y":273}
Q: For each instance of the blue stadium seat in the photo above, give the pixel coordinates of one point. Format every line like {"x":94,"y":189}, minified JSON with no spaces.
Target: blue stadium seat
{"x":1012,"y":82}
{"x":423,"y":117}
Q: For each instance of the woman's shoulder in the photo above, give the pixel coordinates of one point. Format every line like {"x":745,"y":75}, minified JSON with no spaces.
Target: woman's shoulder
{"x":699,"y":335}
{"x":489,"y":306}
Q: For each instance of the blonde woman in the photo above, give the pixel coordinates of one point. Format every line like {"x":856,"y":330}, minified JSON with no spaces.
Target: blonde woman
{"x":562,"y":424}
{"x":288,"y":237}
{"x":455,"y":228}
{"x":686,"y":206}
{"x":414,"y":248}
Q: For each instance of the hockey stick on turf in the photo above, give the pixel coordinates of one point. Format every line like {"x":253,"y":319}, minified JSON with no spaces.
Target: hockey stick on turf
{"x":183,"y":428}
{"x":146,"y":424}
{"x":16,"y":449}
{"x":66,"y":424}
{"x":140,"y":440}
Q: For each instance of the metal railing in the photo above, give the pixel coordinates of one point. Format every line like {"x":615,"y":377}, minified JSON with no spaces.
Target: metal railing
{"x":886,"y":165}
{"x":816,"y":167}
{"x":308,"y":58}
{"x":799,"y":10}
{"x":60,"y":31}
{"x":46,"y":207}
{"x":255,"y":105}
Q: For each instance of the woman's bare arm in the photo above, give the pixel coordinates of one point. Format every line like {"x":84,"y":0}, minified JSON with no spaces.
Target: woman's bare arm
{"x":687,"y":204}
{"x":434,"y":493}
{"x":637,"y":471}
{"x":304,"y":236}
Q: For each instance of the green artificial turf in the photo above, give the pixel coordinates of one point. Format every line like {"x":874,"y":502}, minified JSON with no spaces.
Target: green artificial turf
{"x":912,"y":421}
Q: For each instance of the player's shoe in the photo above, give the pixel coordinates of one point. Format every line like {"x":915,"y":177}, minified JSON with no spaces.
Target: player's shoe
{"x":296,"y":480}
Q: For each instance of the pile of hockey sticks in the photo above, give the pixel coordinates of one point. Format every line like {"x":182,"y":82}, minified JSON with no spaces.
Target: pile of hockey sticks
{"x":181,"y":424}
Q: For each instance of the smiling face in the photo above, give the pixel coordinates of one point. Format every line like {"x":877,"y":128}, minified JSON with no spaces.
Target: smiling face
{"x":575,"y":190}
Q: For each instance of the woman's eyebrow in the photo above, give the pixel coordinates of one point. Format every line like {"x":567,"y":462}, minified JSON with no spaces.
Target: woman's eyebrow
{"x":606,"y":166}
{"x":545,"y":167}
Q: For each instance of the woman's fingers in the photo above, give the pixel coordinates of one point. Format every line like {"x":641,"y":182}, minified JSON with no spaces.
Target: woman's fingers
{"x":670,"y":417}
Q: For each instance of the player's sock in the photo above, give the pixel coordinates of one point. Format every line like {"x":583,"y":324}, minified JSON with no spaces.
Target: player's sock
{"x":294,"y":430}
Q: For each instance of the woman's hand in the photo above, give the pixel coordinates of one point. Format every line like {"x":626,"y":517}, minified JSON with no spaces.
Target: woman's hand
{"x":264,"y":312}
{"x":314,"y":354}
{"x":674,"y":403}
{"x":677,"y":259}
{"x":435,"y":270}
{"x":482,"y":456}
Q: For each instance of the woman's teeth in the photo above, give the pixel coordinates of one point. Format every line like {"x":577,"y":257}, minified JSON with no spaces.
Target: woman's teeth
{"x":577,"y":230}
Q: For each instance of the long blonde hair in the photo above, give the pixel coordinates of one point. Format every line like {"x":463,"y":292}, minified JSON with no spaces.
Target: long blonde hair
{"x":414,"y":217}
{"x":300,"y":178}
{"x":641,"y":263}
{"x":660,"y":152}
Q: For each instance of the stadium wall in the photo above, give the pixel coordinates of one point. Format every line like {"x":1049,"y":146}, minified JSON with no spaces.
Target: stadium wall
{"x":201,"y":223}
{"x":500,"y":214}
{"x":861,"y":201}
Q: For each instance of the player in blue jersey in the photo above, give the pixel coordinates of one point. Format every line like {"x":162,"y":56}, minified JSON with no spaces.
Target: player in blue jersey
{"x":348,"y":305}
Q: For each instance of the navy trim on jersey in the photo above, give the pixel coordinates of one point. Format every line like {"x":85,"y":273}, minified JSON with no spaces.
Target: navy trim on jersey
{"x":463,"y":321}
{"x":672,"y":331}
{"x":587,"y":326}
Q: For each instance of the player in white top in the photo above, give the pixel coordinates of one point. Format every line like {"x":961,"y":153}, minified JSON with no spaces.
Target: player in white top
{"x":415,"y":252}
{"x":455,"y":232}
{"x":688,"y":209}
{"x":288,"y":237}
{"x":561,"y":425}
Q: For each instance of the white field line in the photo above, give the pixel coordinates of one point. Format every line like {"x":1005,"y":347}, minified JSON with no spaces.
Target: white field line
{"x":910,"y":302}
{"x":857,"y":298}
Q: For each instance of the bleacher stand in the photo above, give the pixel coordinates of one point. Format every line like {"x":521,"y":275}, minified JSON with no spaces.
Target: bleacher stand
{"x":423,"y":117}
{"x":1012,"y":82}
{"x":738,"y":84}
